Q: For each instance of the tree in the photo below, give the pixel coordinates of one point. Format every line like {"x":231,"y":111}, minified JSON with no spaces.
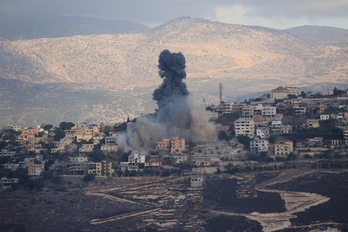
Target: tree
{"x":88,"y":177}
{"x":59,"y":134}
{"x":245,"y":140}
{"x":66,"y":125}
{"x":223,"y":136}
{"x":291,"y":156}
{"x":303,"y":94}
{"x":97,"y":155}
{"x":48,"y":127}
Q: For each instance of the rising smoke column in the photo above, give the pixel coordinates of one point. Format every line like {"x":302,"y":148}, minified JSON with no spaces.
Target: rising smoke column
{"x":178,"y":114}
{"x":172,"y":69}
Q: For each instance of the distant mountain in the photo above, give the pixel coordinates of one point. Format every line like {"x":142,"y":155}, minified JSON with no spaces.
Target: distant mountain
{"x":57,"y":25}
{"x":320,"y":34}
{"x":244,"y":59}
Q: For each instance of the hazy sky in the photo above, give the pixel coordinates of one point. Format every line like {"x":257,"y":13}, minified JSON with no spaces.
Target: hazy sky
{"x":278,"y":14}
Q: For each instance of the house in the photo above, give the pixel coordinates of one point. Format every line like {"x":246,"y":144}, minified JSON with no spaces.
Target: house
{"x":152,"y":165}
{"x":315,"y":142}
{"x":300,"y":110}
{"x":86,"y":148}
{"x":220,"y":127}
{"x":11,"y":166}
{"x":284,"y":92}
{"x":324,"y":117}
{"x":109,"y":148}
{"x":164,"y":145}
{"x":205,"y":161}
{"x":129,"y":166}
{"x":136,"y":158}
{"x":179,"y":158}
{"x":283,"y":148}
{"x":197,"y":181}
{"x":259,"y":145}
{"x":13,"y":126}
{"x":310,"y":123}
{"x":6,"y":183}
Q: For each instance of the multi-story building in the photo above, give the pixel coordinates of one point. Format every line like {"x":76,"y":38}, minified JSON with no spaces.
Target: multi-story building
{"x":259,"y":145}
{"x":95,"y":168}
{"x":226,"y":108}
{"x":31,"y":131}
{"x":299,"y":110}
{"x":106,"y":168}
{"x":177,"y":145}
{"x":248,"y":111}
{"x":283,"y":148}
{"x":345,"y":136}
{"x":103,"y":168}
{"x":244,"y":126}
{"x":78,"y":165}
{"x":262,"y":132}
{"x":164,"y":145}
{"x":110,"y":141}
{"x":35,"y":169}
{"x":238,"y":107}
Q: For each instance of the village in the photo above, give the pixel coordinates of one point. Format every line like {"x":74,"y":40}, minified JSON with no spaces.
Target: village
{"x":282,"y":130}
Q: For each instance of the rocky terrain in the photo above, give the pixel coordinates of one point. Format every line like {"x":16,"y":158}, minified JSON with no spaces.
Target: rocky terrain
{"x":301,"y":203}
{"x":123,"y":67}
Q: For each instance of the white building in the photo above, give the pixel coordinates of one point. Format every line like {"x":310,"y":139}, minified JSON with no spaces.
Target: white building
{"x":135,"y":158}
{"x":283,"y":92}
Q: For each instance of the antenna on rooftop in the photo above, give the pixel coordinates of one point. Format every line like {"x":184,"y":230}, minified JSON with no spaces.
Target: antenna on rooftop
{"x":220,"y":88}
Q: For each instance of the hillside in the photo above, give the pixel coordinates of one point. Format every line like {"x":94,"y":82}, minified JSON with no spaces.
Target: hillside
{"x":320,"y":34}
{"x":244,"y":59}
{"x":58,"y":25}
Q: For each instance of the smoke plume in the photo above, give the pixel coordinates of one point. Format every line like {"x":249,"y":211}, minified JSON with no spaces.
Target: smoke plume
{"x":178,"y":114}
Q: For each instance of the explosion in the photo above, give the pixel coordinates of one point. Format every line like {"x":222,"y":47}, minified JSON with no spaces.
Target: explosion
{"x":178,"y":114}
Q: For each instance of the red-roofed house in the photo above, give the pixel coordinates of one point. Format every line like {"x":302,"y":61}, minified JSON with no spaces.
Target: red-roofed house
{"x":283,"y":92}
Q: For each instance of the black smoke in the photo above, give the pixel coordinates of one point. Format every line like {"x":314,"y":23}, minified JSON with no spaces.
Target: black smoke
{"x":178,"y":113}
{"x":172,"y":69}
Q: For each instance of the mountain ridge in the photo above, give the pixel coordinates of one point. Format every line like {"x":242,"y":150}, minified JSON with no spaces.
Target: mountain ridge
{"x":244,"y":59}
